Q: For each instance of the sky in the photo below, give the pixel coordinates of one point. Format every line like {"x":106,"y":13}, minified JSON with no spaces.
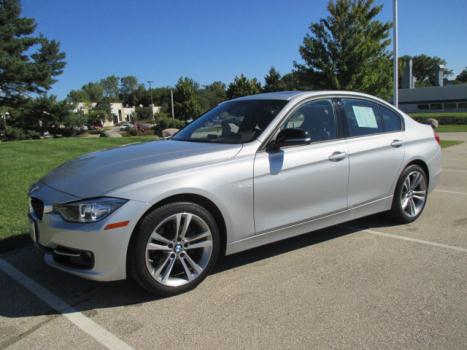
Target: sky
{"x":211,"y":40}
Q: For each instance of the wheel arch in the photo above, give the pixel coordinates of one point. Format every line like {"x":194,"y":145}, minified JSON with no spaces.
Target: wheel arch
{"x":421,"y":164}
{"x":184,"y":197}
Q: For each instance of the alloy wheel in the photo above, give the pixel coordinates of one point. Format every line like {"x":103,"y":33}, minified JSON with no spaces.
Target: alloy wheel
{"x":413,"y":194}
{"x":179,"y":249}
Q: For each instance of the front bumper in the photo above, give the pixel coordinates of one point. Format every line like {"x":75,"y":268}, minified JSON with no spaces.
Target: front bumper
{"x":108,"y":248}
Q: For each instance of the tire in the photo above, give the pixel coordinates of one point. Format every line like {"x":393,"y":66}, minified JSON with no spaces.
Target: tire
{"x":166,"y":266}
{"x":410,"y":195}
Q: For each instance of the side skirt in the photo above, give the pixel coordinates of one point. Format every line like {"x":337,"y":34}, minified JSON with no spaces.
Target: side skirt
{"x":307,"y":226}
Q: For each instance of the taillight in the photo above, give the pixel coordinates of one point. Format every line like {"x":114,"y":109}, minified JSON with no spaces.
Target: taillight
{"x":437,"y":138}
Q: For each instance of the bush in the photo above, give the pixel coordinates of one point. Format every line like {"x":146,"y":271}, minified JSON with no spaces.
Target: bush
{"x":443,"y":120}
{"x":12,"y":133}
{"x":166,"y":123}
{"x":132,"y":132}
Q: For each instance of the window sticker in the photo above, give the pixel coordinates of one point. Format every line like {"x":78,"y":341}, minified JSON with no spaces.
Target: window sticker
{"x":365,"y":117}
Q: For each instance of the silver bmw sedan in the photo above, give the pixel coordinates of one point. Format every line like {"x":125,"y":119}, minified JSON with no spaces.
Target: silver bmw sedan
{"x":249,"y":172}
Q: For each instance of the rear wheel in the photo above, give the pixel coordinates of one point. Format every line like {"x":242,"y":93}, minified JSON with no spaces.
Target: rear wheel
{"x":410,"y":195}
{"x":175,"y":248}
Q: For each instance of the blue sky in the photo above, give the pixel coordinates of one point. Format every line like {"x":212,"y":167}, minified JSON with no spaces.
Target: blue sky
{"x":214,"y":39}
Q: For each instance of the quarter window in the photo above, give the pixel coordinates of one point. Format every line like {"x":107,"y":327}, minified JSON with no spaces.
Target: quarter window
{"x":317,"y":118}
{"x":391,"y":120}
{"x":362,"y":117}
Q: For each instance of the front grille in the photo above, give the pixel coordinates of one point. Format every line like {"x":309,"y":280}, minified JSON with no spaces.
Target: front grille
{"x":38,"y":207}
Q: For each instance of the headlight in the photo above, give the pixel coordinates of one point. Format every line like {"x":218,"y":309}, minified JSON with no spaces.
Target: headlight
{"x":88,"y":210}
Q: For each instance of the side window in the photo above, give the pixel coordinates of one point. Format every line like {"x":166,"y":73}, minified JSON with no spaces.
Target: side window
{"x":363,"y":117}
{"x":317,"y":118}
{"x":391,"y":120}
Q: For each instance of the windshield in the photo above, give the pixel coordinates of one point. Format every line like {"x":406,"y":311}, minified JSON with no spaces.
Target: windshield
{"x":232,"y":122}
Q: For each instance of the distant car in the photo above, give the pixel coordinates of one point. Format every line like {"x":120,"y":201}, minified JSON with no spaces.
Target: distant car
{"x":125,"y":126}
{"x":249,"y":172}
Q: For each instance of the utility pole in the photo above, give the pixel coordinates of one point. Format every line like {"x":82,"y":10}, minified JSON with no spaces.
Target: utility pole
{"x":152,"y":102}
{"x":172,"y":103}
{"x":395,"y":58}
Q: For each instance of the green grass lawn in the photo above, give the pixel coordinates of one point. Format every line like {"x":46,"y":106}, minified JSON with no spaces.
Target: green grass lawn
{"x":24,"y":162}
{"x":452,"y":128}
{"x":439,"y":114}
{"x":449,"y":143}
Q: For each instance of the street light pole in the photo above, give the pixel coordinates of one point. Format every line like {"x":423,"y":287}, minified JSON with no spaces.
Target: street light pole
{"x":152,"y":102}
{"x":395,"y":58}
{"x":172,"y":103}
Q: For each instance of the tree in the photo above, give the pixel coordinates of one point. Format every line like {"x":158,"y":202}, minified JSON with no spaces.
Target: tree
{"x":273,"y":81}
{"x":462,"y":77}
{"x":128,"y":84}
{"x":242,"y":86}
{"x":424,"y":69}
{"x":46,"y":113}
{"x":28,"y":64}
{"x":211,"y":95}
{"x":90,"y":92}
{"x":186,"y":100}
{"x":347,"y":50}
{"x":111,"y":88}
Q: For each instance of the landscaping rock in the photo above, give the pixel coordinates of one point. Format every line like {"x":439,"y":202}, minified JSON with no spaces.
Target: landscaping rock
{"x":169,"y":132}
{"x":111,"y":133}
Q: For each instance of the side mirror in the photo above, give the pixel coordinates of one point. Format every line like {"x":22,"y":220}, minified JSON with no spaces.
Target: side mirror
{"x":290,"y":137}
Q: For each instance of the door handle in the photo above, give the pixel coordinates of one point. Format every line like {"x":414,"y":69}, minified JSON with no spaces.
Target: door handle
{"x":337,"y":156}
{"x":397,"y":143}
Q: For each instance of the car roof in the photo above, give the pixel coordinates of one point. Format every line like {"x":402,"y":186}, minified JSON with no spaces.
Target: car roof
{"x":291,"y":95}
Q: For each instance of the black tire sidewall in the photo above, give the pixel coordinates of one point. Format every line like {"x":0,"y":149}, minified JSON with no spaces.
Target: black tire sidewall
{"x":396,"y":211}
{"x":138,"y":269}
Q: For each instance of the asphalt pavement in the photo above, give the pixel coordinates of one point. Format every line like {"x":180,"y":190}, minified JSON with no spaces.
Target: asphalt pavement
{"x":368,"y":284}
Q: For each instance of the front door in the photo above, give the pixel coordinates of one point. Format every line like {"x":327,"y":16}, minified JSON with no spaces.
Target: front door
{"x":298,"y":183}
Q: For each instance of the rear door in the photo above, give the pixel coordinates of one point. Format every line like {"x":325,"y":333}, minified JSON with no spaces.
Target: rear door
{"x":297,"y":183}
{"x":376,"y":149}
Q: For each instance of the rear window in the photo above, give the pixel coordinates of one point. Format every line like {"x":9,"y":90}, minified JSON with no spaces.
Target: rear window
{"x":363,"y":117}
{"x":391,"y":120}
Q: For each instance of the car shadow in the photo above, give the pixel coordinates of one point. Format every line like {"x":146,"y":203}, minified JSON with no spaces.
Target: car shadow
{"x":86,"y":296}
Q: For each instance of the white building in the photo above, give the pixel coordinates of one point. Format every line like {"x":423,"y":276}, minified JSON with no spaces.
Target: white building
{"x":121,"y":113}
{"x":118,"y":111}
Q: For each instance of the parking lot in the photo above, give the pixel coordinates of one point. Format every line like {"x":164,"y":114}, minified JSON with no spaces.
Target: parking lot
{"x":366,"y":284}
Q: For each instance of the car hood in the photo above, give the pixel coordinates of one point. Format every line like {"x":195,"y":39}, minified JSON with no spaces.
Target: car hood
{"x":97,"y":173}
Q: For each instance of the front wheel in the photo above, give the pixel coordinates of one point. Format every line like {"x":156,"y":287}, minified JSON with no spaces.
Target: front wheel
{"x":410,"y":195}
{"x":175,"y":248}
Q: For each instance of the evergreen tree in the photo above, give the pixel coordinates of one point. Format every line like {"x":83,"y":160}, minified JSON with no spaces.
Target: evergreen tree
{"x":28,"y":63}
{"x":273,"y":81}
{"x":347,"y":50}
{"x":242,"y":86}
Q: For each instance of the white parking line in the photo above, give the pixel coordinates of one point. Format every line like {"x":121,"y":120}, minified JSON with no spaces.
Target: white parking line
{"x":389,"y":235}
{"x":451,"y":192}
{"x":84,"y":323}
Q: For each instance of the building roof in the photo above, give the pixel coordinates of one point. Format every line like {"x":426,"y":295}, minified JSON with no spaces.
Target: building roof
{"x":433,"y":94}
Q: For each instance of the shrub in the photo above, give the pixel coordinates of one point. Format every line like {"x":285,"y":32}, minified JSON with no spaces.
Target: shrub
{"x":12,"y":133}
{"x":443,"y":120}
{"x":166,"y":123}
{"x":132,"y":132}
